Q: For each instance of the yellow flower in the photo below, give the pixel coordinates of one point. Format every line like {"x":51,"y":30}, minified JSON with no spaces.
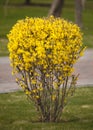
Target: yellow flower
{"x":34,"y":90}
{"x":53,"y":97}
{"x":27,"y":92}
{"x":44,"y":47}
{"x":33,"y":81}
{"x":40,"y":88}
{"x":37,"y":97}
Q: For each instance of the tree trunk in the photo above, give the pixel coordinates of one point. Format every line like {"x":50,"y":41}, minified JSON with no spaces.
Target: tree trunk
{"x":27,"y":2}
{"x":78,"y":12}
{"x":83,"y":4}
{"x":56,"y":8}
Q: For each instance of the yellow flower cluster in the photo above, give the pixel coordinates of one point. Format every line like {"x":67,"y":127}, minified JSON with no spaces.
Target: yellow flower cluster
{"x":44,"y":41}
{"x":44,"y":49}
{"x":42,"y":53}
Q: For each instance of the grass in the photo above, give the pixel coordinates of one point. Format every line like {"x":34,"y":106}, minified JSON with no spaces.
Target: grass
{"x":3,"y":47}
{"x":16,"y":11}
{"x":17,"y":113}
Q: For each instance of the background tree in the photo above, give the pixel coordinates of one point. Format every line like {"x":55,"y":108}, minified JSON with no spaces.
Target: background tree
{"x":83,"y":4}
{"x":57,"y":5}
{"x":27,"y":2}
{"x":56,"y":8}
{"x":78,"y":12}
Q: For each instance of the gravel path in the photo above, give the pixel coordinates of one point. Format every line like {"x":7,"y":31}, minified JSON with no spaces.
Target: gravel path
{"x":83,"y":67}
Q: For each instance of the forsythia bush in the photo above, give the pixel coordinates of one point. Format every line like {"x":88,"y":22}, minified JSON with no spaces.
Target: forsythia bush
{"x":42,"y":53}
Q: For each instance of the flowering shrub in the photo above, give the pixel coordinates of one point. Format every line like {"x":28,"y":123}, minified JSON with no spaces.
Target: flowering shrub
{"x":42,"y":53}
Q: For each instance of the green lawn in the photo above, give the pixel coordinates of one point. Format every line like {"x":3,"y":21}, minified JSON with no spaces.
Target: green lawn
{"x":3,"y":47}
{"x":18,"y":113}
{"x":16,"y":11}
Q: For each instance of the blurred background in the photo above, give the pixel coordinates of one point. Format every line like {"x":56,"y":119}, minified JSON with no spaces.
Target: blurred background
{"x":77,"y":11}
